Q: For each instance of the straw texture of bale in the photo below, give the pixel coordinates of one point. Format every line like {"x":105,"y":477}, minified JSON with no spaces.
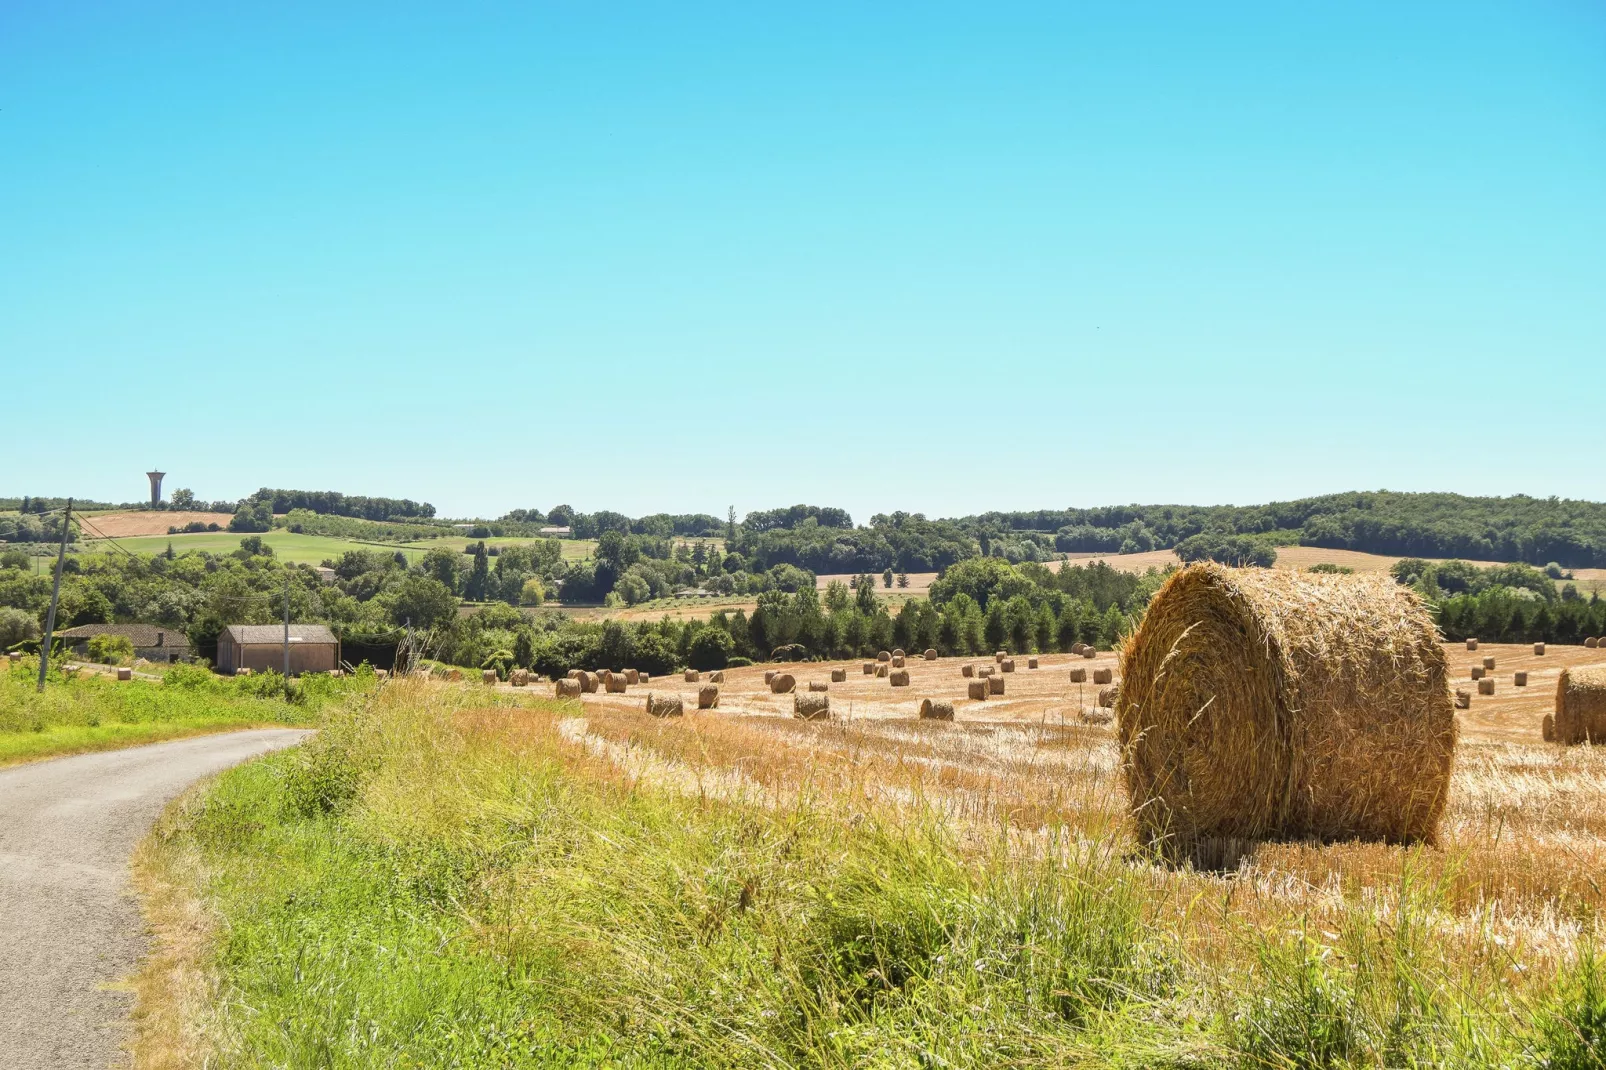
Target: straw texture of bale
{"x":1103,"y":676}
{"x":900,"y":678}
{"x":1463,"y":699}
{"x":897,"y":661}
{"x":1089,"y":652}
{"x":615,"y":683}
{"x":1488,"y":664}
{"x":708,"y":697}
{"x":1031,"y":663}
{"x":1519,"y":679}
{"x":1581,"y":705}
{"x":977,"y":689}
{"x":783,"y":684}
{"x":936,"y":711}
{"x":869,"y":668}
{"x":839,"y":676}
{"x":1269,"y":704}
{"x":883,"y":656}
{"x":632,"y":677}
{"x":880,"y":671}
{"x":487,"y":676}
{"x":811,"y":707}
{"x":995,"y":684}
{"x":1547,"y":728}
{"x":1486,"y":686}
{"x":930,"y":654}
{"x":1539,"y":648}
{"x":664,"y":705}
{"x":1078,"y":676}
{"x":1007,"y":665}
{"x":567,"y":688}
{"x":967,"y":670}
{"x":692,"y":676}
{"x":1107,"y":697}
{"x":717,"y":677}
{"x":818,"y":687}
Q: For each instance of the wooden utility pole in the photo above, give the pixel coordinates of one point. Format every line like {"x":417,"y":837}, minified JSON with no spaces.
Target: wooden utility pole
{"x":55,"y":597}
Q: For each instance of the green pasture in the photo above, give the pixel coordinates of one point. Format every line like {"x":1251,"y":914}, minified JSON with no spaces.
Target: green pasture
{"x":287,"y":546}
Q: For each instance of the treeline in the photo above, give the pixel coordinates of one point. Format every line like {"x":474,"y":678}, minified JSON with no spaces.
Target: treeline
{"x":902,"y":541}
{"x":1504,"y":603}
{"x":306,"y":522}
{"x":338,"y":504}
{"x":593,"y":525}
{"x":1518,"y":528}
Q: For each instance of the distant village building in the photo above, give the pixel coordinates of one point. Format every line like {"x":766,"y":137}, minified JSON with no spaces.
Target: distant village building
{"x":153,"y":642}
{"x":259,"y":647}
{"x":326,"y":574}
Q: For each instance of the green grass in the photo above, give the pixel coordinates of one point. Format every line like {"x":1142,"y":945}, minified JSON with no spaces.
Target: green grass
{"x":434,"y":883}
{"x":288,"y":546}
{"x":572,"y":549}
{"x":93,"y":712}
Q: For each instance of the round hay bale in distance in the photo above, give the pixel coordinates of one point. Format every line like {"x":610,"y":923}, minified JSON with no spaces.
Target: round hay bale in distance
{"x":1077,"y":648}
{"x":818,"y":687}
{"x":782,"y":684}
{"x":869,"y":668}
{"x":769,"y":676}
{"x":897,"y":652}
{"x":1581,"y":705}
{"x":126,"y":674}
{"x":567,"y":688}
{"x":1519,"y":679}
{"x":664,"y":705}
{"x":1477,"y":672}
{"x":615,"y":683}
{"x":632,"y":677}
{"x":707,"y":697}
{"x":487,"y":676}
{"x":839,"y":676}
{"x":900,"y":678}
{"x":1488,"y":664}
{"x":880,"y":671}
{"x":1007,"y":665}
{"x":897,"y":661}
{"x":1000,"y":655}
{"x":1591,"y":642}
{"x":691,"y":676}
{"x":1107,"y":697}
{"x":884,"y":656}
{"x":1031,"y":663}
{"x":811,"y":707}
{"x":717,"y":676}
{"x":1486,"y":686}
{"x":1078,"y":676}
{"x":1103,"y":676}
{"x":936,"y":711}
{"x":1472,"y":644}
{"x":930,"y":654}
{"x":1539,"y":649}
{"x":967,"y":670}
{"x":977,"y":689}
{"x":575,"y":674}
{"x":1463,"y":699}
{"x":588,"y":682}
{"x":985,"y":671}
{"x":995,"y":684}
{"x":1089,"y":652}
{"x":1269,"y":704}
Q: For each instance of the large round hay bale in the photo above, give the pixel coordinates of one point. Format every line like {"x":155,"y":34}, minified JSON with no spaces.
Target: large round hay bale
{"x":567,"y":688}
{"x":897,"y":652}
{"x":1107,"y":697}
{"x":869,"y":668}
{"x":1581,"y":705}
{"x":691,"y":676}
{"x":884,"y":656}
{"x":880,"y":671}
{"x":487,"y":676}
{"x":936,"y":711}
{"x":897,"y":661}
{"x":1089,"y":652}
{"x":930,"y":654}
{"x":1472,"y":644}
{"x":1519,"y":679}
{"x":839,"y":676}
{"x":1267,"y":703}
{"x":1486,"y":686}
{"x":1547,"y":728}
{"x":707,"y":697}
{"x":811,"y":707}
{"x":782,"y":684}
{"x":615,"y":683}
{"x":1031,"y":663}
{"x":770,"y":675}
{"x":1539,"y":649}
{"x":664,"y":705}
{"x":967,"y":670}
{"x":1007,"y":665}
{"x":1463,"y":699}
{"x":995,"y":684}
{"x":632,"y":677}
{"x":1078,"y":676}
{"x":900,"y":678}
{"x":977,"y":689}
{"x":818,"y":687}
{"x":717,"y":677}
{"x":1488,"y":664}
{"x":1103,"y":676}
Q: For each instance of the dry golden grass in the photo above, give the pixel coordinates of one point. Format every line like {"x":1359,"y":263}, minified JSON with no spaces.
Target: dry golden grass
{"x":133,"y":525}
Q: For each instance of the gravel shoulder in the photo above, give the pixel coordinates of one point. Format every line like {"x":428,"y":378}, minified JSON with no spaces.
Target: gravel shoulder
{"x":71,"y":927}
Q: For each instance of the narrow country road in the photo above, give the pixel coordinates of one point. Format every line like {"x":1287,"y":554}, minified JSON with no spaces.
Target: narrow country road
{"x":69,"y":923}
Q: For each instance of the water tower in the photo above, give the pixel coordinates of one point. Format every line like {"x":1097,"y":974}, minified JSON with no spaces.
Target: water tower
{"x":156,"y":487}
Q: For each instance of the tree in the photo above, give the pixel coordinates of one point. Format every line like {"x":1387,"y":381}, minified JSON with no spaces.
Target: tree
{"x":561,"y":516}
{"x":422,"y":602}
{"x":183,"y":498}
{"x":886,"y":578}
{"x":441,"y":564}
{"x":252,"y":516}
{"x":864,"y":597}
{"x":474,"y":588}
{"x":903,"y":579}
{"x":533,"y":593}
{"x":16,"y":626}
{"x":111,"y":649}
{"x":633,"y":589}
{"x":730,"y":527}
{"x":711,"y":648}
{"x":996,"y":629}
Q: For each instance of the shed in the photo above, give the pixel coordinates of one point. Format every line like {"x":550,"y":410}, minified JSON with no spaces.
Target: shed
{"x":259,"y":647}
{"x":153,"y":642}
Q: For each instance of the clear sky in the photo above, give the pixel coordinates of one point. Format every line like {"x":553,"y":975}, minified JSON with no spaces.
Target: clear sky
{"x":934,"y":257}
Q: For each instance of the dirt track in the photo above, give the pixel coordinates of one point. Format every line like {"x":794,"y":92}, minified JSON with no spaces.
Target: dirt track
{"x":71,"y":925}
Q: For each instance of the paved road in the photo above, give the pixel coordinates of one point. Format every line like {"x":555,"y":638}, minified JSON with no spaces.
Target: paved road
{"x":69,"y":923}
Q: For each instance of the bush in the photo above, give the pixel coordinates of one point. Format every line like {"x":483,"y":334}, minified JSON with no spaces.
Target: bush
{"x":16,"y":627}
{"x":1237,"y":550}
{"x":111,"y":649}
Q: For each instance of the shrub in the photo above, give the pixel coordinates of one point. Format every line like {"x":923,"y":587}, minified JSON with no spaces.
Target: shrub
{"x":16,"y":627}
{"x":111,"y":649}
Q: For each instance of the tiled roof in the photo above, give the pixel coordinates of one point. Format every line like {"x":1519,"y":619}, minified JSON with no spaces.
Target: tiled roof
{"x":267,"y":634}
{"x":141,"y":635}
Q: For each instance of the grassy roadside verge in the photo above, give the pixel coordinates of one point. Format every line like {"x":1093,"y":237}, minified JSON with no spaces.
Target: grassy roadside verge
{"x":438,"y":882}
{"x":91,"y":712}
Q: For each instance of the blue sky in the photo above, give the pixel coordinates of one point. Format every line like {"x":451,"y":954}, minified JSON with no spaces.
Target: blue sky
{"x":938,"y":257}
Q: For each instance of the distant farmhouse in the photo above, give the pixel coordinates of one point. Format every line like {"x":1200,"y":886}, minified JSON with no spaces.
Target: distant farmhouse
{"x":153,"y":642}
{"x":259,"y":647}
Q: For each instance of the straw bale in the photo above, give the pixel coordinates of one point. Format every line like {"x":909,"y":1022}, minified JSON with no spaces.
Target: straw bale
{"x":1519,"y":679}
{"x":1089,"y":652}
{"x":897,"y":661}
{"x":1103,"y":676}
{"x":880,"y":671}
{"x":567,"y":688}
{"x":1267,"y":703}
{"x":883,"y":656}
{"x":977,"y":689}
{"x":645,"y":678}
{"x":769,"y":676}
{"x":839,"y":676}
{"x":1472,"y":644}
{"x":632,"y":677}
{"x":811,"y":707}
{"x":1488,"y":664}
{"x":1077,"y":648}
{"x":783,"y":684}
{"x":128,"y":674}
{"x":1007,"y":665}
{"x":664,"y":705}
{"x":1581,"y":705}
{"x":985,"y":671}
{"x":1078,"y":676}
{"x":936,"y":711}
{"x":818,"y":687}
{"x":1547,"y":728}
{"x":520,"y":678}
{"x":1463,"y":699}
{"x":1486,"y":686}
{"x":1539,"y":649}
{"x":900,"y":678}
{"x":1000,"y":655}
{"x":692,"y":676}
{"x":717,"y":677}
{"x":869,"y":668}
{"x":588,"y":682}
{"x":995,"y":685}
{"x":615,"y":683}
{"x":487,"y":676}
{"x":1107,"y":697}
{"x":1031,"y":663}
{"x":575,"y":674}
{"x":707,"y":697}
{"x":1477,"y":672}
{"x":1591,"y":642}
{"x":930,"y":654}
{"x":967,"y":670}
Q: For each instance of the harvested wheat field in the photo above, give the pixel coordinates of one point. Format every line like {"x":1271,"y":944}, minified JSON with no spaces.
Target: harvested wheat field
{"x":132,"y":525}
